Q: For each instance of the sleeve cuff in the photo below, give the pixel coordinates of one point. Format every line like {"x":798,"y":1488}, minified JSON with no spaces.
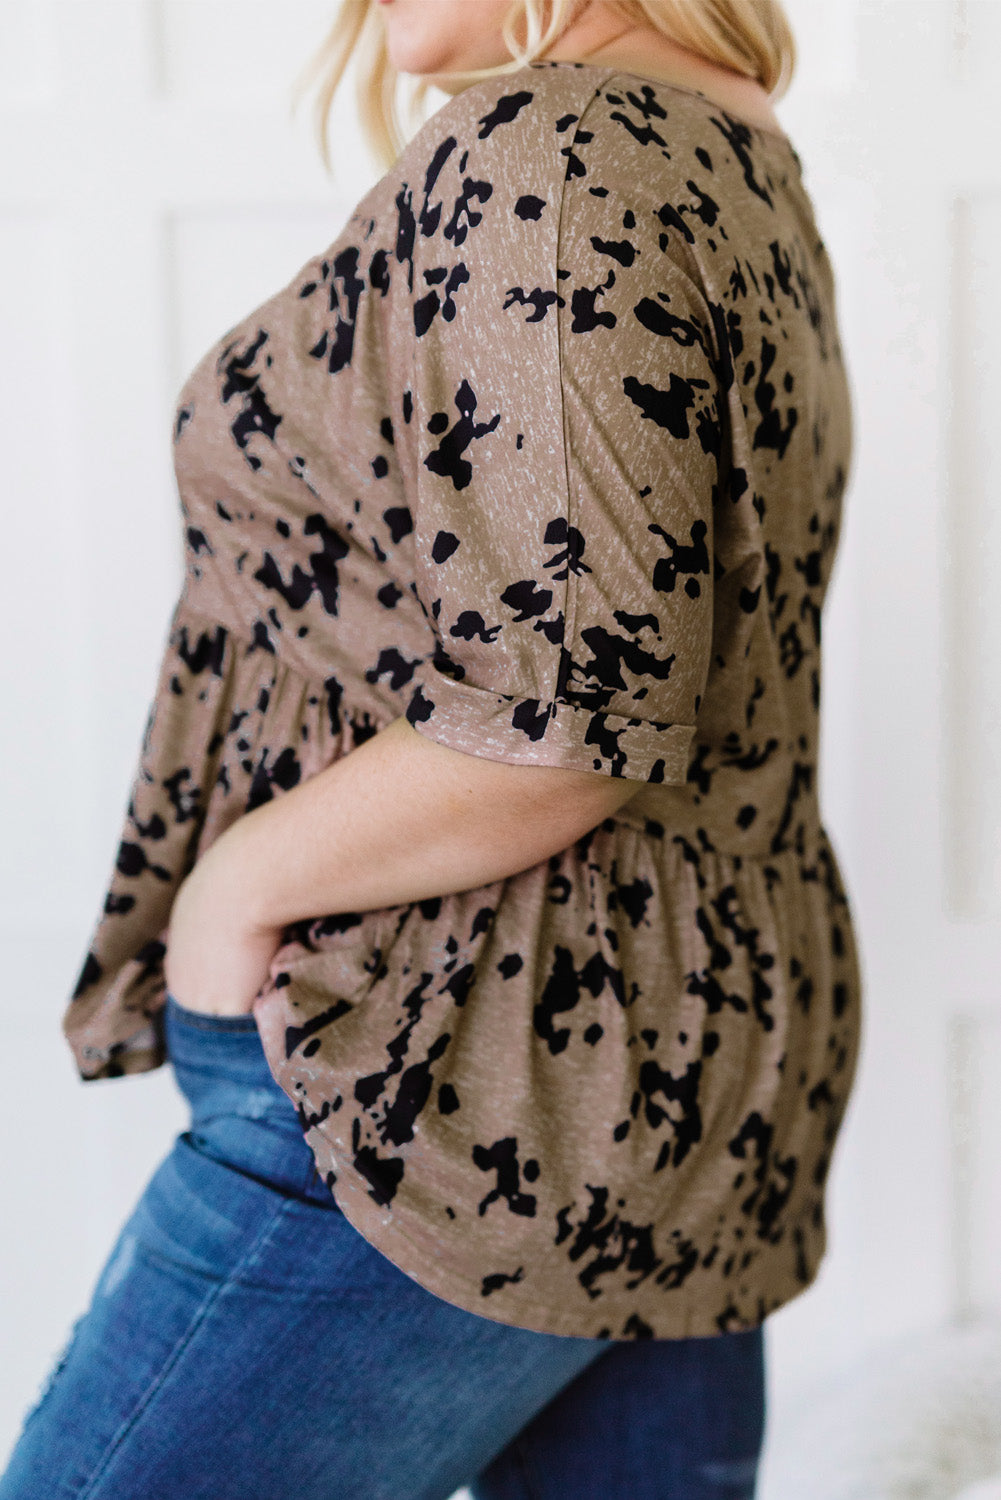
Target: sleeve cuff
{"x":528,"y":732}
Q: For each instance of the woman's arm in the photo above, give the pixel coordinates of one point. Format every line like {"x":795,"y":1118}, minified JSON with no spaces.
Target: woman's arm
{"x":400,"y":818}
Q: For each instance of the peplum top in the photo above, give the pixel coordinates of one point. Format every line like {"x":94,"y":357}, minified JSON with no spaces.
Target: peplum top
{"x":546,"y":451}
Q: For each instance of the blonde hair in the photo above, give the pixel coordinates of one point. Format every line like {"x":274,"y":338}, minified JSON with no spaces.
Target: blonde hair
{"x":752,"y":37}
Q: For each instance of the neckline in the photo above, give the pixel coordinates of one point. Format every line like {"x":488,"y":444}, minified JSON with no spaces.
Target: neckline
{"x":779,"y":136}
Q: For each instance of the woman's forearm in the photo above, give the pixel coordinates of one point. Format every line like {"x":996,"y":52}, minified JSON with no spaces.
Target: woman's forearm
{"x":399,"y":819}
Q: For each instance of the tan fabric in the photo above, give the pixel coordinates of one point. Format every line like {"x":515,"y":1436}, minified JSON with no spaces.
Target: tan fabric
{"x":547,"y":451}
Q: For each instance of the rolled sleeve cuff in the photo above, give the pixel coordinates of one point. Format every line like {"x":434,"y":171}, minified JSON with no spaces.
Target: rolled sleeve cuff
{"x":529,"y":732}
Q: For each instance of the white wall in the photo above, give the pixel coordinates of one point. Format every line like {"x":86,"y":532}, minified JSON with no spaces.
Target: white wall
{"x":152,"y":188}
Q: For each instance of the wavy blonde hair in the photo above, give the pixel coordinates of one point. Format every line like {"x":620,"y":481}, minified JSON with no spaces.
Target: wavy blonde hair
{"x":752,"y":37}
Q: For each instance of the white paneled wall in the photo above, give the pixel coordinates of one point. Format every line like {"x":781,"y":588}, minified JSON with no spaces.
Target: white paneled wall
{"x":977,"y":30}
{"x":154,"y":187}
{"x":974,"y":806}
{"x":975,"y":1059}
{"x":26,"y":73}
{"x":207,"y":54}
{"x":44,"y":663}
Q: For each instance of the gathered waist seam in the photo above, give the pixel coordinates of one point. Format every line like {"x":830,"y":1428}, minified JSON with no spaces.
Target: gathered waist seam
{"x":690,"y":828}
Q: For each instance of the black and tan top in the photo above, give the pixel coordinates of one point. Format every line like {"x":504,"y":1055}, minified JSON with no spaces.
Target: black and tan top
{"x":546,"y":452}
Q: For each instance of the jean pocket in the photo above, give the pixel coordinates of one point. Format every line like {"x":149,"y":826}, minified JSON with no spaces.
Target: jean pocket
{"x":201,"y":1021}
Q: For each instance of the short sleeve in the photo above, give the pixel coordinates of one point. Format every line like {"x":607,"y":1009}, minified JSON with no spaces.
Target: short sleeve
{"x":568,"y":425}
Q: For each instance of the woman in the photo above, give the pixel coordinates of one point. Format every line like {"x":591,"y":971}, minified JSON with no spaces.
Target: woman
{"x":474,"y":881}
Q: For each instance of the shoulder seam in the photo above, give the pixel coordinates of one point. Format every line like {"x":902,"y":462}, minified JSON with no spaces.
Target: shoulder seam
{"x":570,"y":591}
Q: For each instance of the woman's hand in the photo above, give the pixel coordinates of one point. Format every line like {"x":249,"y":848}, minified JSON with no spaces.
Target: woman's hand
{"x":217,"y":960}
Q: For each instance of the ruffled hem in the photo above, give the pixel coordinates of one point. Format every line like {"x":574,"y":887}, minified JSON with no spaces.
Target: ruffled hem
{"x":230,"y":727}
{"x":608,"y":1109}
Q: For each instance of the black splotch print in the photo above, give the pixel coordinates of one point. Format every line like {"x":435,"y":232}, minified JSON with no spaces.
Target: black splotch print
{"x":547,"y":452}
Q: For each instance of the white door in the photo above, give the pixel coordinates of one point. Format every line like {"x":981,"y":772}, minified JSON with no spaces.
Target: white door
{"x":152,"y":189}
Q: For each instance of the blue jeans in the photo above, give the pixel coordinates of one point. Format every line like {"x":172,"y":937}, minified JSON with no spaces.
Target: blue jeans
{"x":244,"y":1342}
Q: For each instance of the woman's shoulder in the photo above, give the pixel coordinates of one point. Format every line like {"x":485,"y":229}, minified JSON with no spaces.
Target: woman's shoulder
{"x":505,"y":104}
{"x":591,"y":126}
{"x":508,"y":150}
{"x":552,"y":124}
{"x":555,"y":158}
{"x":514,"y":123}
